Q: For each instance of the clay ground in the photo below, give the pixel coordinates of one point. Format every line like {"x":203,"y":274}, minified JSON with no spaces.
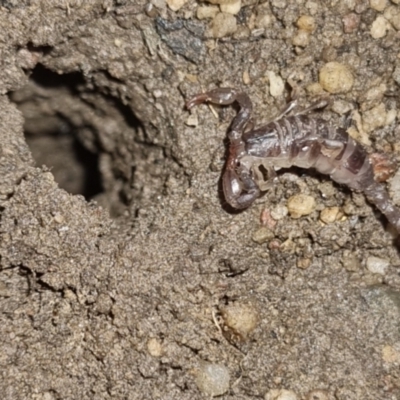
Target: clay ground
{"x":123,"y":273}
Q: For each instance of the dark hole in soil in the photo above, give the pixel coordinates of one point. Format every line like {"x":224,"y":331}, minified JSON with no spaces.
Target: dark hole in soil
{"x":51,"y":134}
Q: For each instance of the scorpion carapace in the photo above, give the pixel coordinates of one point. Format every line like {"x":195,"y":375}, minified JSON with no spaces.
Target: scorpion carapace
{"x":298,"y":140}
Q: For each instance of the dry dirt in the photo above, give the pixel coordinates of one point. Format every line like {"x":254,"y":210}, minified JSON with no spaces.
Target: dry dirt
{"x":120,"y":262}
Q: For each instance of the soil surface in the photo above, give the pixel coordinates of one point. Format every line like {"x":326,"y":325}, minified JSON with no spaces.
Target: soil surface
{"x":123,"y":272}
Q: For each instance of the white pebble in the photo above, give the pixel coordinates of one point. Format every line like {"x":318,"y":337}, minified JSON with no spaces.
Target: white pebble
{"x":232,"y":8}
{"x":212,"y":379}
{"x":224,"y":24}
{"x":262,"y":235}
{"x":240,"y":318}
{"x":306,"y":23}
{"x":301,"y":39}
{"x":330,"y":214}
{"x":280,"y":394}
{"x":379,"y":27}
{"x":192,"y":120}
{"x":336,"y":78}
{"x":276,"y":84}
{"x":378,"y":5}
{"x":341,"y":107}
{"x":279,"y":212}
{"x":374,"y":118}
{"x":300,"y":204}
{"x":154,"y":347}
{"x":175,"y":5}
{"x":391,"y":354}
{"x":377,"y":265}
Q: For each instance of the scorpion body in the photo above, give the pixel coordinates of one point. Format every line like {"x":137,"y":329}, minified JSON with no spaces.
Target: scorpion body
{"x":292,"y":140}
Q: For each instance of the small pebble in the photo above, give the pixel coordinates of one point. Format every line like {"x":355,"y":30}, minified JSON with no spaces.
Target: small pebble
{"x":336,"y":78}
{"x":390,"y":354}
{"x":28,"y":58}
{"x":390,"y":117}
{"x":326,"y":189}
{"x":341,"y":107}
{"x":374,"y":94}
{"x":232,"y":8}
{"x":279,"y":212}
{"x":160,"y":4}
{"x":263,"y":21}
{"x":379,"y":27}
{"x":315,"y":89}
{"x":374,"y":118}
{"x":192,"y":120}
{"x":266,"y":219}
{"x":276,"y":84}
{"x":59,"y":218}
{"x":212,"y":379}
{"x":246,"y":78}
{"x":154,"y":347}
{"x":350,"y":261}
{"x":394,"y":188}
{"x":224,"y":24}
{"x":330,"y":214}
{"x":262,"y":235}
{"x":329,"y":53}
{"x":377,"y":265}
{"x":306,"y":23}
{"x":300,"y":204}
{"x":240,"y":318}
{"x":301,"y":39}
{"x":280,"y":394}
{"x":303,"y":263}
{"x":357,"y":132}
{"x":378,"y":5}
{"x":392,"y":14}
{"x":175,"y":5}
{"x":274,"y":244}
{"x":279,"y":3}
{"x":312,"y":7}
{"x":207,"y":12}
{"x":351,"y":22}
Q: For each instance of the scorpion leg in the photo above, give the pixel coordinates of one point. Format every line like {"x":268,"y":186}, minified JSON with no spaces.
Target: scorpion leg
{"x":287,"y":109}
{"x":224,"y":97}
{"x":317,"y":105}
{"x":293,"y":104}
{"x":239,"y":186}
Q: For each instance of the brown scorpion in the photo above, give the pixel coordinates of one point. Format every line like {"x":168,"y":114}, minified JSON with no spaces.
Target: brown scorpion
{"x":292,"y":140}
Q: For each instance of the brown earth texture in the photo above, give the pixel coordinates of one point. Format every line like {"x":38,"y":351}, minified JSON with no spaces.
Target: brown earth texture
{"x":124,"y":274}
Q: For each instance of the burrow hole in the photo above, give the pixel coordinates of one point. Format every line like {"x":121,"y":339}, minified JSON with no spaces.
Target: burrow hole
{"x":52,"y":135}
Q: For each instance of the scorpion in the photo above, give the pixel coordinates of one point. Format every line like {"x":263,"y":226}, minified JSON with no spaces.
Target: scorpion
{"x":293,"y":139}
